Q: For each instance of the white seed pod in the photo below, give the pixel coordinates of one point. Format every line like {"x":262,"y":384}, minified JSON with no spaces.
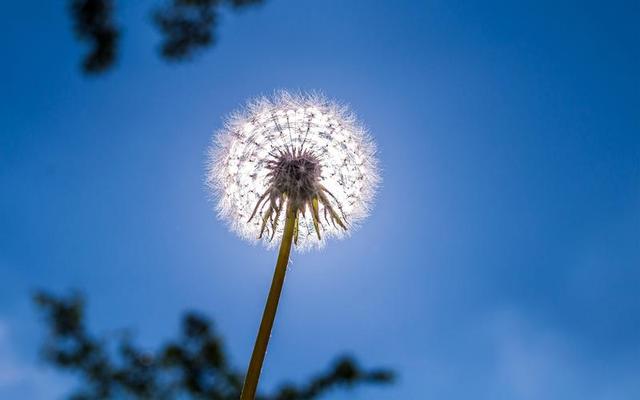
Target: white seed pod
{"x":301,"y":150}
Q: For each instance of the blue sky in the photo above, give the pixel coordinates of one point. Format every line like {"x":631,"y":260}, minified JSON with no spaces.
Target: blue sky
{"x":501,"y":260}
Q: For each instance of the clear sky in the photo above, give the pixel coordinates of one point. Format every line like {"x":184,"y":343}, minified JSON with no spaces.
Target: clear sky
{"x":501,"y":260}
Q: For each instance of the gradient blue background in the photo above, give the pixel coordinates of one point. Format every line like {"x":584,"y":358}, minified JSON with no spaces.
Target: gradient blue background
{"x":502,"y":258}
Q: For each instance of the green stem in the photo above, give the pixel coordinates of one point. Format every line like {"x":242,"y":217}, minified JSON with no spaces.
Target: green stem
{"x":269,"y":314}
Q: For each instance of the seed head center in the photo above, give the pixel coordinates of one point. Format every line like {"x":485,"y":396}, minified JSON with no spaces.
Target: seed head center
{"x":296,"y":174}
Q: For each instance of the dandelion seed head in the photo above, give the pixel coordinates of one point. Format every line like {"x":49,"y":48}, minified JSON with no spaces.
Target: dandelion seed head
{"x":299,"y":149}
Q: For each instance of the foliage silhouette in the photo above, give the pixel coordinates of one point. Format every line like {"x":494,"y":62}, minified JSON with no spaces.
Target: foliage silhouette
{"x":93,"y":22}
{"x":194,"y":366}
{"x":187,"y":26}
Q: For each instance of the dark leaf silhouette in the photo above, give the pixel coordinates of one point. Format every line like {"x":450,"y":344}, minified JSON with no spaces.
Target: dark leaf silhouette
{"x":93,"y":23}
{"x":189,"y":25}
{"x":194,"y":366}
{"x":186,"y":26}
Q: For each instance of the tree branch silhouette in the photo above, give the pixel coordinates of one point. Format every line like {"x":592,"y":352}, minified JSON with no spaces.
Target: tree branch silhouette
{"x":193,"y":366}
{"x":93,"y":22}
{"x":186,"y":27}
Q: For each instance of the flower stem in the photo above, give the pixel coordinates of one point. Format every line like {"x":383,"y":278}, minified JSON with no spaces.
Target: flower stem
{"x":269,"y":314}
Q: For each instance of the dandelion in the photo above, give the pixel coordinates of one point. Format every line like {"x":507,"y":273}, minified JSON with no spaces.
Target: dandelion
{"x":291,"y":169}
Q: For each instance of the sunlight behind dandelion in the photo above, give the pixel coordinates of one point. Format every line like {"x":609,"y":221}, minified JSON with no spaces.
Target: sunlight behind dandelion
{"x":247,"y":147}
